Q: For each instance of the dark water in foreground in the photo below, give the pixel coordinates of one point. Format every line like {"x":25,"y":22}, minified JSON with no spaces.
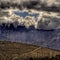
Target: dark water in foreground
{"x":49,"y":39}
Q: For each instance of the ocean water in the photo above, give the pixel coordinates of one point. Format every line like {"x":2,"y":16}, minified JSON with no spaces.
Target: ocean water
{"x":50,"y":39}
{"x":24,"y":14}
{"x":45,"y":38}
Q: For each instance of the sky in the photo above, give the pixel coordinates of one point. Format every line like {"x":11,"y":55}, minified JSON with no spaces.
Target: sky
{"x":46,"y":2}
{"x":36,"y":4}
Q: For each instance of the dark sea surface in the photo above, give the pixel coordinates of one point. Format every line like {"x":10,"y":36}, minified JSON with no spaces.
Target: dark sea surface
{"x":45,"y":38}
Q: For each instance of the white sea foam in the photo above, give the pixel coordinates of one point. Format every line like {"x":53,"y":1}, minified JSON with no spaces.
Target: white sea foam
{"x":45,"y":20}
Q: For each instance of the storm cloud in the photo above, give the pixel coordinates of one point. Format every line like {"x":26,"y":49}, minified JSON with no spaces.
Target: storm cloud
{"x":34,"y":4}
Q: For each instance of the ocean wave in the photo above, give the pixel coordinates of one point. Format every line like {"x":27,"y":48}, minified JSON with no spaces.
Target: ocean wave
{"x":38,"y":19}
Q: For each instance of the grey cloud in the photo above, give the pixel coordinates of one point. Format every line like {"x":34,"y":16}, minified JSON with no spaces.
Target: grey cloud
{"x":37,"y":4}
